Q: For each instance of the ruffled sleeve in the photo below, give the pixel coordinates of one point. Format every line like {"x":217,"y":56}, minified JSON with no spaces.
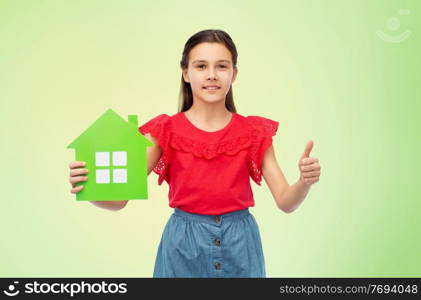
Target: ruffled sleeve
{"x":158,"y":127}
{"x":261,"y":132}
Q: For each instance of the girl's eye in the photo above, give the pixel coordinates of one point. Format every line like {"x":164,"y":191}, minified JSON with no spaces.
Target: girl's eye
{"x":200,"y":66}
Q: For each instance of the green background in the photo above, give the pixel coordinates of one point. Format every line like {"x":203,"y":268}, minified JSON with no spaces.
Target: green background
{"x":317,"y":67}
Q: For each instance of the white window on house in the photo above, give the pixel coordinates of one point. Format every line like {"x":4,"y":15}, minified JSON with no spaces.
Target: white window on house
{"x":120,"y":175}
{"x":102,"y":176}
{"x":113,"y":172}
{"x":102,"y":159}
{"x":119,"y":158}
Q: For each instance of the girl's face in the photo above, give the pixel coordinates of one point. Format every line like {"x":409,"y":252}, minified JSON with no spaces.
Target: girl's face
{"x":210,"y":72}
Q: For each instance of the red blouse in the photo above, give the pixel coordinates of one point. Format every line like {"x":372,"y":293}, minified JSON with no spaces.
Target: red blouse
{"x":209,"y":172}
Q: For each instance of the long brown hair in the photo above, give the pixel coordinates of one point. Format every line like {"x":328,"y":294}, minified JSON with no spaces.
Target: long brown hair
{"x":210,"y":36}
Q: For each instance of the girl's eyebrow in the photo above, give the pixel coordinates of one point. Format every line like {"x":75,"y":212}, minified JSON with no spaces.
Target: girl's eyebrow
{"x":201,"y":60}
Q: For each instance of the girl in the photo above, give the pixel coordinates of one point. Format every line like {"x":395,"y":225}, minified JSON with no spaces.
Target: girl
{"x":207,"y":153}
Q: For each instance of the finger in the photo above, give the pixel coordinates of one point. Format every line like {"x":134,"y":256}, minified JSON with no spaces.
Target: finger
{"x":76,"y":164}
{"x":77,"y":179}
{"x":311,"y":174}
{"x":309,"y":160}
{"x":76,"y":189}
{"x":311,"y":177}
{"x":308,"y":148}
{"x":78,"y":171}
{"x":311,"y":167}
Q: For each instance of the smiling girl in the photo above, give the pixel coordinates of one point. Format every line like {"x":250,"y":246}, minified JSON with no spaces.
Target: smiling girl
{"x":207,"y":153}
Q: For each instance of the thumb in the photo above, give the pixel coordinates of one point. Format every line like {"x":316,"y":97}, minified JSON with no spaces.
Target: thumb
{"x":307,"y":150}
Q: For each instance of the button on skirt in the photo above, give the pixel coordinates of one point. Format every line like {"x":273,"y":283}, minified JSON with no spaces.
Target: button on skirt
{"x":194,"y":245}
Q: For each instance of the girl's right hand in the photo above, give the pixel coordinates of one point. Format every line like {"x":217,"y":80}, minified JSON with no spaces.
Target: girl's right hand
{"x":77,"y":173}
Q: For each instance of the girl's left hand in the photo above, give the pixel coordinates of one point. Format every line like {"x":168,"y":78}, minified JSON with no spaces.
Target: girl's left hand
{"x":309,"y":166}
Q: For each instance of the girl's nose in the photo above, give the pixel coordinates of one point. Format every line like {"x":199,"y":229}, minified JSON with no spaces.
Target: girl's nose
{"x":211,"y":74}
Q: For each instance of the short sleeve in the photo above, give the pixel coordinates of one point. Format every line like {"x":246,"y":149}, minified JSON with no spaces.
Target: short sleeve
{"x":158,"y":127}
{"x":261,"y":132}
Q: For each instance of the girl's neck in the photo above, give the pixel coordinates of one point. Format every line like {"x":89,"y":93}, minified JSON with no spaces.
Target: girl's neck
{"x":210,"y":116}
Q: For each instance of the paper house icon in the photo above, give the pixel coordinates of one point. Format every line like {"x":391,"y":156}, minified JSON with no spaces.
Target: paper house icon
{"x":115,"y":156}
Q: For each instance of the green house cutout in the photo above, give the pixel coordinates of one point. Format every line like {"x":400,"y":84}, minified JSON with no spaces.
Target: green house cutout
{"x":115,"y":154}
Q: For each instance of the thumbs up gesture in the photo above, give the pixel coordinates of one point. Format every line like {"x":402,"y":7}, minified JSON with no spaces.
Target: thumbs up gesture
{"x":309,"y":166}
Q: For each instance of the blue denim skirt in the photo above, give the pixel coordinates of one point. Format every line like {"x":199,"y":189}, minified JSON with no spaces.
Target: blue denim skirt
{"x":194,"y":245}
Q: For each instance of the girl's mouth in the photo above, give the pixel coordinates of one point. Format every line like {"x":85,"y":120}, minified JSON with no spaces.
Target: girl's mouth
{"x":211,"y":88}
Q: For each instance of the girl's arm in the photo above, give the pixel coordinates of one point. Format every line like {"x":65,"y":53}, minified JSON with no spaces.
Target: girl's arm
{"x":287,"y":197}
{"x":153,"y":155}
{"x":275,"y":178}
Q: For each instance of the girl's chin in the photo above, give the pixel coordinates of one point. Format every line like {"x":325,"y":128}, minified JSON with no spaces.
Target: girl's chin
{"x":212,"y":99}
{"x":212,"y":94}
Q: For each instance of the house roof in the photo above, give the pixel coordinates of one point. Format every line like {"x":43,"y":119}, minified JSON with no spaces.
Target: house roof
{"x":111,"y":129}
